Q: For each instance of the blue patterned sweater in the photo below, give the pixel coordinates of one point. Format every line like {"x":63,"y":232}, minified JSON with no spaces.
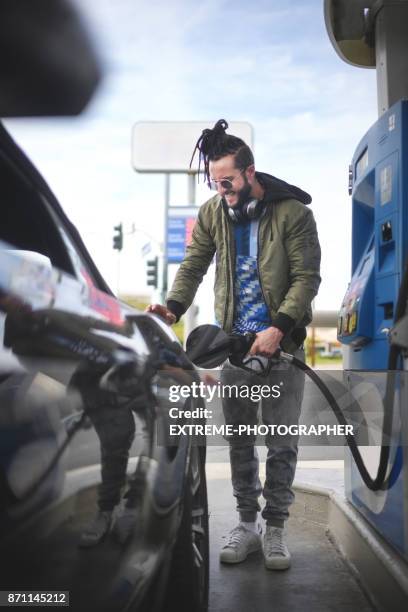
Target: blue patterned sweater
{"x":251,"y":312}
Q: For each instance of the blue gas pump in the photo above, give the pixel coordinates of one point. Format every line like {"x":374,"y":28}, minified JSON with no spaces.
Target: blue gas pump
{"x":379,"y":173}
{"x":373,"y":34}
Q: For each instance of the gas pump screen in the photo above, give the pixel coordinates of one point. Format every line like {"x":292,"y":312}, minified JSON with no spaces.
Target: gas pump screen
{"x":362,"y":164}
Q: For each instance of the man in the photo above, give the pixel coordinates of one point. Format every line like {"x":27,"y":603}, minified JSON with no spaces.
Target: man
{"x":267,"y":273}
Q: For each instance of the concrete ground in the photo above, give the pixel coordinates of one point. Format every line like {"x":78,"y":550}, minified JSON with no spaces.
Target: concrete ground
{"x":319,"y":580}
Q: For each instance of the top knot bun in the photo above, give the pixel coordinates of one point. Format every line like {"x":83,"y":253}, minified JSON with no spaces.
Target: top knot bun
{"x":220,"y":126}
{"x":214,"y":144}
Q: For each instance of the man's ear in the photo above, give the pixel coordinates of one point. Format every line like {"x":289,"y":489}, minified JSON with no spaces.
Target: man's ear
{"x":250,"y":172}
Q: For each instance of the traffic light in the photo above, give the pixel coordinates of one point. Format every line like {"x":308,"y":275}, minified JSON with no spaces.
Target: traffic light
{"x":152,"y":272}
{"x":118,"y":237}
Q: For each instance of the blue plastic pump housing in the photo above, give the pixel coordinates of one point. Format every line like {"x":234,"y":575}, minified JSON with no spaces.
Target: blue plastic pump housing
{"x":379,"y":187}
{"x":380,"y":237}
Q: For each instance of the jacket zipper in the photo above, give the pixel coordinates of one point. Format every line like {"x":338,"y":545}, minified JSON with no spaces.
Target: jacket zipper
{"x":230,"y":251}
{"x":257,"y":264}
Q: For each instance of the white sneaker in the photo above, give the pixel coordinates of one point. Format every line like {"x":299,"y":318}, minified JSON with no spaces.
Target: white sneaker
{"x":276,"y":554}
{"x":241,"y":542}
{"x":96,"y":530}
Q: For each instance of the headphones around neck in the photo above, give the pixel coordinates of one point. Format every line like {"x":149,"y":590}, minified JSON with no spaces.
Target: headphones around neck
{"x":247,"y":212}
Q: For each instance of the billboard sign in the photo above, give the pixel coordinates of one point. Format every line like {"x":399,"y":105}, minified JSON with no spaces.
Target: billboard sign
{"x":180,"y":225}
{"x":167,"y":146}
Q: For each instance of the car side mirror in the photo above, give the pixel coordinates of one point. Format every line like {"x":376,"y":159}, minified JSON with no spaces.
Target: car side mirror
{"x":48,"y":66}
{"x":26,"y":276}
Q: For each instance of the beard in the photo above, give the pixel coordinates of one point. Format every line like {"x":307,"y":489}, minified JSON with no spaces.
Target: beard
{"x":244,"y":194}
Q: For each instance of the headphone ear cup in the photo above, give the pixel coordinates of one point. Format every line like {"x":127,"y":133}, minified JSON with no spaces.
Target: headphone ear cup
{"x":235,"y":215}
{"x":252,"y":209}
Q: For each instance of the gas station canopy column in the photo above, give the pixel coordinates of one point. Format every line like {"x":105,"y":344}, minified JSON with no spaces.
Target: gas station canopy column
{"x":373,"y":34}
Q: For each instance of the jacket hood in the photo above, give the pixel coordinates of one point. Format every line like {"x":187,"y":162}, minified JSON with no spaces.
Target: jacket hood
{"x":277,"y":189}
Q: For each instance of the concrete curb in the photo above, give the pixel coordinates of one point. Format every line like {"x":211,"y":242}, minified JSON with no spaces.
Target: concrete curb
{"x":380,"y":570}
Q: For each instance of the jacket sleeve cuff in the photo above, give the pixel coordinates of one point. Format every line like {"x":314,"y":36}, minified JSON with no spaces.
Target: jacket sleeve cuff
{"x":176,"y":308}
{"x":283,"y":322}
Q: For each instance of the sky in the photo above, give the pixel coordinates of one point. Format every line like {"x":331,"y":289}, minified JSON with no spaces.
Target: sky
{"x":268,"y":62}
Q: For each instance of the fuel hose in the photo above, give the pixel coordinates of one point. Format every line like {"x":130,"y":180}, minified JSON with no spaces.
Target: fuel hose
{"x":208,"y":346}
{"x":381,"y":480}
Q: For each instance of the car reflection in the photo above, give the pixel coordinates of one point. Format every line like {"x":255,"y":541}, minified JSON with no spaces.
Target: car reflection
{"x":83,"y":376}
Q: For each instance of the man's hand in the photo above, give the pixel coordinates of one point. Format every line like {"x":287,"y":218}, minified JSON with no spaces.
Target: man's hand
{"x":13,"y":305}
{"x":266,"y":342}
{"x":163,"y":312}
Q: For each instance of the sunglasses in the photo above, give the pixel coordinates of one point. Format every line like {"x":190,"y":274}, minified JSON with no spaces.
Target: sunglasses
{"x":224,"y":183}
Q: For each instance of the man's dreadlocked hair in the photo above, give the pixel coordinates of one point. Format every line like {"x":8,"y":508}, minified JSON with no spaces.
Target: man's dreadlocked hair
{"x":215,"y":144}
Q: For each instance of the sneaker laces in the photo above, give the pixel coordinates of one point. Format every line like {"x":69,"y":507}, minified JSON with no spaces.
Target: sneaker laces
{"x":274,"y":542}
{"x":236,"y":536}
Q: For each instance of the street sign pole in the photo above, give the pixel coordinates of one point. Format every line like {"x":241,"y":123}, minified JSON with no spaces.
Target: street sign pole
{"x":165,"y":245}
{"x":190,"y":317}
{"x":191,"y":177}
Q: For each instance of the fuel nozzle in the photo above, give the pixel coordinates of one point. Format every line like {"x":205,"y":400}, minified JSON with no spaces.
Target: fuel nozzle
{"x":208,"y":346}
{"x":241,"y":345}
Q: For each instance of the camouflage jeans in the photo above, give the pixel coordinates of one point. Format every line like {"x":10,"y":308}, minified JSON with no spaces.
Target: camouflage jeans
{"x":282,"y":450}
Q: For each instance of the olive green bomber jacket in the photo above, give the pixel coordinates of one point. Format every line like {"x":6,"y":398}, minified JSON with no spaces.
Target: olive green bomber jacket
{"x":288,"y":265}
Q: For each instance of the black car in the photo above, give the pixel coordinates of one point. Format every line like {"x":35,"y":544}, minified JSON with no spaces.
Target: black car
{"x":72,"y":353}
